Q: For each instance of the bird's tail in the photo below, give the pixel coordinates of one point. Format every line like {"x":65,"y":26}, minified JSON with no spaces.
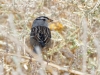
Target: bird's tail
{"x":37,"y":49}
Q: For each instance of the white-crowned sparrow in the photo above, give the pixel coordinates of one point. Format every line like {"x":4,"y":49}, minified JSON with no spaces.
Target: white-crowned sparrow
{"x":40,"y":33}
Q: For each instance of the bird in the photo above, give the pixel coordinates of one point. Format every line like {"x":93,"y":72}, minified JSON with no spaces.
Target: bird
{"x":40,"y":35}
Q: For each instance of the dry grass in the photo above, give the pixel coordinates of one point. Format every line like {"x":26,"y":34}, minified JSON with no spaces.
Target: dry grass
{"x":75,"y":49}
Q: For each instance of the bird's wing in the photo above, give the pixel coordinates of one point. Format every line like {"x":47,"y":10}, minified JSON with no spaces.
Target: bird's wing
{"x":41,"y":34}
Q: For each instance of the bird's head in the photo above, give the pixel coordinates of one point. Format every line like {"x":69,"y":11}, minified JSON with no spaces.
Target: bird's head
{"x":41,"y":21}
{"x":44,"y":18}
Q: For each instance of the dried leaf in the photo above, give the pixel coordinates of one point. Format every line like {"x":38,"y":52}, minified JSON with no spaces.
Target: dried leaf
{"x":57,"y":26}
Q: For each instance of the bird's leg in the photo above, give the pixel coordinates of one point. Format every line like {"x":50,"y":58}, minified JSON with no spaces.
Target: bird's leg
{"x":30,"y":60}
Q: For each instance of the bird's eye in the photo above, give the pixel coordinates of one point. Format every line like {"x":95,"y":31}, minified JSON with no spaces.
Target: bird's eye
{"x":44,"y":19}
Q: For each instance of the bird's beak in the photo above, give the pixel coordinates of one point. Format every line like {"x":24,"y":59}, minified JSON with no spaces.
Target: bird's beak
{"x":50,"y":20}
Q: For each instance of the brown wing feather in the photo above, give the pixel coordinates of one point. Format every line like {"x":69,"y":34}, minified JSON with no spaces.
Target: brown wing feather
{"x":40,"y":35}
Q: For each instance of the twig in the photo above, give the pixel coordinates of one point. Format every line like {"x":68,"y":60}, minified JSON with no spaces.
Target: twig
{"x":46,"y":63}
{"x":97,"y":4}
